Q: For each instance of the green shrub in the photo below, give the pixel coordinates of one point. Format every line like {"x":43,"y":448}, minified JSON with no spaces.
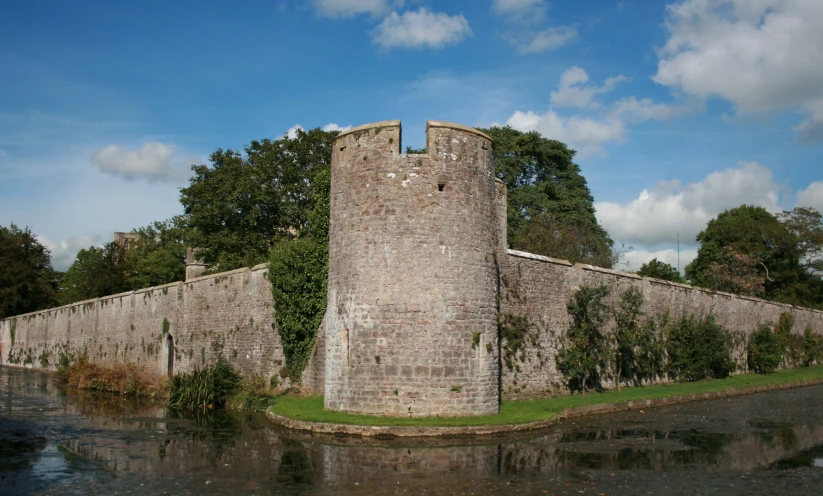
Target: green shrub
{"x":584,"y":356}
{"x":699,"y":349}
{"x":765,"y":350}
{"x":257,"y":397}
{"x":211,"y":386}
{"x":812,"y":348}
{"x":626,"y":336}
{"x":650,"y":353}
{"x":788,"y":346}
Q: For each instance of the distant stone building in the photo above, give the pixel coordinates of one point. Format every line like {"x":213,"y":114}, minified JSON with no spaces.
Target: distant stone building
{"x":126,"y":240}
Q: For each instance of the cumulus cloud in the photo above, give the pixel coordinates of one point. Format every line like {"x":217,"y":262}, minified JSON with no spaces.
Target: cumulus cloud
{"x":589,"y":133}
{"x":574,"y":92}
{"x":332,"y":126}
{"x":518,"y":8}
{"x":658,"y":214}
{"x":812,"y":196}
{"x":633,"y":260}
{"x":523,"y":18}
{"x":351,"y":8}
{"x":421,"y":29}
{"x":292,"y":132}
{"x":152,"y":162}
{"x":759,"y":55}
{"x":547,"y":39}
{"x":64,"y":252}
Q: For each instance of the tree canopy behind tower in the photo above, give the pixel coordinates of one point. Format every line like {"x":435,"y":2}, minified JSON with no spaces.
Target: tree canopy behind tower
{"x":243,"y":204}
{"x":27,"y":281}
{"x":551,"y":210}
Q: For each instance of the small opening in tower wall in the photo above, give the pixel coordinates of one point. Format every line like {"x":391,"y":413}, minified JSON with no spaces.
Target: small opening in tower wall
{"x":441,"y":186}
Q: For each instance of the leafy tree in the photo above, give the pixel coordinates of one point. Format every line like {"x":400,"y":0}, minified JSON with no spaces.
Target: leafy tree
{"x":27,"y":280}
{"x":812,"y":347}
{"x":244,"y":204}
{"x":159,"y":255}
{"x":659,"y":270}
{"x":765,"y":350}
{"x":298,"y":271}
{"x":627,"y":336}
{"x":585,"y":354}
{"x":699,"y":349}
{"x":548,"y":194}
{"x":747,"y":243}
{"x":96,"y":272}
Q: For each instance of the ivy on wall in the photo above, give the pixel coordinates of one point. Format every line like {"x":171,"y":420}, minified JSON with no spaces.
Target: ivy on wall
{"x":298,"y":271}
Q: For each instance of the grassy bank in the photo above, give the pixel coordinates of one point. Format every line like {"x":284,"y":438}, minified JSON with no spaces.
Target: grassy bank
{"x":517,"y":412}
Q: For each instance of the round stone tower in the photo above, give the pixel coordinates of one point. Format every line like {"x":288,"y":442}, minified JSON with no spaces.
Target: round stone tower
{"x":411,"y":316}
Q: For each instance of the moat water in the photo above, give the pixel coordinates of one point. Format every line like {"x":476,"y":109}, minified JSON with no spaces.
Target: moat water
{"x":54,"y":441}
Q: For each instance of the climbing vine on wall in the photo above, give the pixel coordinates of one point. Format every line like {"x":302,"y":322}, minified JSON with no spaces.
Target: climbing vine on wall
{"x":585,"y":354}
{"x":298,"y":271}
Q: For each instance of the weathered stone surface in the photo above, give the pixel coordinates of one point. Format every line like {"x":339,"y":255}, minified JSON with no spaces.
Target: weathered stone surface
{"x":412,"y":277}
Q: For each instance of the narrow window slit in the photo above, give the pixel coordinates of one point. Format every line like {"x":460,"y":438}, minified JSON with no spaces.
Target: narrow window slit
{"x":441,"y":186}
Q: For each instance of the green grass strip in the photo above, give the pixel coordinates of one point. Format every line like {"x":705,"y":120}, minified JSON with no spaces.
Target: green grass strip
{"x":310,"y":408}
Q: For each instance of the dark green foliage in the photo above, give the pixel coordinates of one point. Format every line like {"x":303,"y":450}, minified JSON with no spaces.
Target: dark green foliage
{"x":210,"y":386}
{"x":627,"y":336}
{"x":245,"y":204}
{"x":27,"y":281}
{"x":274,"y":382}
{"x":550,"y":210}
{"x":159,"y":255}
{"x":166,"y":326}
{"x":410,"y":150}
{"x":584,"y":357}
{"x":748,"y":250}
{"x":699,"y":349}
{"x":513,"y":330}
{"x":650,"y":350}
{"x":298,"y":270}
{"x":765,"y":350}
{"x":257,"y":397}
{"x":659,"y":270}
{"x":96,"y":272}
{"x":788,"y":346}
{"x":812,"y":347}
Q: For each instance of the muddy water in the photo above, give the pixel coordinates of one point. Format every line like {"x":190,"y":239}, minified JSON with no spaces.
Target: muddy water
{"x":59,"y":442}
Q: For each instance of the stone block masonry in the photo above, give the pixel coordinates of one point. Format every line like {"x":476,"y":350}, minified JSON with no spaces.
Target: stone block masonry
{"x":166,"y":329}
{"x":410,"y":322}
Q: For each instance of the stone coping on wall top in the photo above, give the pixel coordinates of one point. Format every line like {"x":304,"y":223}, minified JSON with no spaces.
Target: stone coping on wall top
{"x":541,"y":258}
{"x":394,"y":123}
{"x":257,"y":268}
{"x":458,"y":127}
{"x":593,"y":268}
{"x":484,"y":430}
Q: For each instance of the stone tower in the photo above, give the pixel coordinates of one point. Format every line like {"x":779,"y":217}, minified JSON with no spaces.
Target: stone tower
{"x":410,"y":323}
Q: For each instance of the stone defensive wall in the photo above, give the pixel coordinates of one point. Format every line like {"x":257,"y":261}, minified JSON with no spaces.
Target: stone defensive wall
{"x":166,"y":329}
{"x":539,"y":288}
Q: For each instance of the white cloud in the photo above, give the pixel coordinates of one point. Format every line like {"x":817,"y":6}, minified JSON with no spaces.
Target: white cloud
{"x":588,"y":135}
{"x":152,"y":162}
{"x":351,"y":8}
{"x":421,"y":29}
{"x":573,"y":92}
{"x":64,"y":252}
{"x":812,"y":196}
{"x":633,"y":260}
{"x":518,"y":8}
{"x":657,"y":215}
{"x":759,"y":55}
{"x":547,"y":40}
{"x":334,"y":127}
{"x":292,"y":132}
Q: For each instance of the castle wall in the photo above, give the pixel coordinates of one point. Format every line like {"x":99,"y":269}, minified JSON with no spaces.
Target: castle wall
{"x":540,"y":287}
{"x":412,"y":280}
{"x":228,"y":314}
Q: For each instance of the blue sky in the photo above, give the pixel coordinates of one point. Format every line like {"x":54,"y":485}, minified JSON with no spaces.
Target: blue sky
{"x":678,"y":110}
